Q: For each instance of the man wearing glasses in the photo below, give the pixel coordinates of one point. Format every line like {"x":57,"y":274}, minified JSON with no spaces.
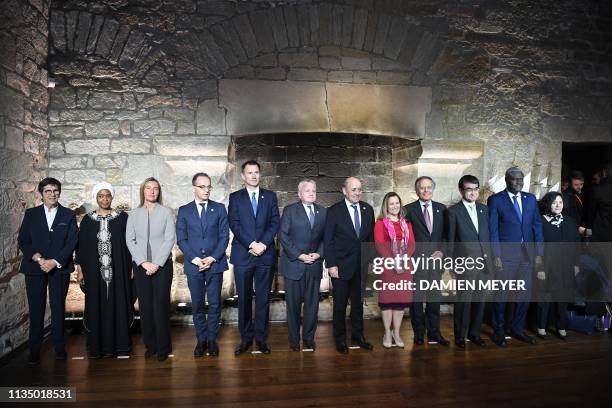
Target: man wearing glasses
{"x":202,"y":232}
{"x":47,"y":238}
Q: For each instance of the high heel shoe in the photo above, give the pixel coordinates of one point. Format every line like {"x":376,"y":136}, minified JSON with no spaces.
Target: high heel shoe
{"x":398,"y":341}
{"x":387,"y":344}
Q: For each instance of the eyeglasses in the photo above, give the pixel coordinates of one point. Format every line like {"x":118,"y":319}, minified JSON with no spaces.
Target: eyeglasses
{"x":471,"y":190}
{"x":204,"y":187}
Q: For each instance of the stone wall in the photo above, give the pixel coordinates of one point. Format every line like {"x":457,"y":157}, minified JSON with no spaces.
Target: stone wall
{"x":23,"y":147}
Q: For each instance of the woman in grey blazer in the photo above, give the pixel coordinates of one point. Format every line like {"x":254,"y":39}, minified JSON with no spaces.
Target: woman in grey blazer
{"x":150,"y":237}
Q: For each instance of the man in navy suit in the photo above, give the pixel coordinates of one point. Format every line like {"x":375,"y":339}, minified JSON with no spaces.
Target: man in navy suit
{"x":467,"y":235}
{"x":301,"y":234}
{"x":254,"y":220}
{"x":202,"y":232}
{"x":517,"y":243}
{"x":349,"y":223}
{"x":47,"y":238}
{"x":427,"y":218}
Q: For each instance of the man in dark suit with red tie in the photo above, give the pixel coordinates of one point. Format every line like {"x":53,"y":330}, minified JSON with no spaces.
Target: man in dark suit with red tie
{"x":427,"y":218}
{"x":254,"y":219}
{"x":47,"y":238}
{"x":349,"y":223}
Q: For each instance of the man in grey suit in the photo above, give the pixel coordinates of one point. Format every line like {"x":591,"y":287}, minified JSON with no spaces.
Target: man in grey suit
{"x":467,"y":234}
{"x":301,"y":235}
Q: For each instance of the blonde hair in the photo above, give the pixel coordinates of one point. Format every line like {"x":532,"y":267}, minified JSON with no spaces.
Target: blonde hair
{"x":383,"y":208}
{"x":142,"y":187}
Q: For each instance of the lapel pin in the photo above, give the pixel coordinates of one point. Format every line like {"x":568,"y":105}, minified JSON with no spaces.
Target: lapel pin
{"x":437,"y":211}
{"x":212,"y":209}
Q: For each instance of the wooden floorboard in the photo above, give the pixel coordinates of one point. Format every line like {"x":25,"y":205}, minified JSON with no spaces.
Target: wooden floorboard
{"x":553,"y":373}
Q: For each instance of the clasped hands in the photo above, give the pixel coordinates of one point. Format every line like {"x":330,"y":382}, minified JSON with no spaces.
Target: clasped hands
{"x":150,"y":268}
{"x":257,"y":248}
{"x":204,"y":264}
{"x":310,"y":258}
{"x":47,"y":265}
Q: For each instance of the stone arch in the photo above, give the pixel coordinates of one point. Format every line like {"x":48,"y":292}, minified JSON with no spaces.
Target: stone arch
{"x":90,"y":35}
{"x":246,"y":35}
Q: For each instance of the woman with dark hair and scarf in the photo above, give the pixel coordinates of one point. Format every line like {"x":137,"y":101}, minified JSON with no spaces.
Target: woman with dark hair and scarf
{"x":556,"y":278}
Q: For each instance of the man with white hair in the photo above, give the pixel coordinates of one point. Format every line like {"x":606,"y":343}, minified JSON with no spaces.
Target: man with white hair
{"x":301,"y":263}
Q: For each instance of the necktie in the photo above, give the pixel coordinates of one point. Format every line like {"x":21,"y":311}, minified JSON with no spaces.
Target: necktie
{"x":517,"y":208}
{"x":473,"y":215}
{"x":427,"y":218}
{"x":254,"y":204}
{"x":311,"y":216}
{"x":357,"y":223}
{"x":203,"y":214}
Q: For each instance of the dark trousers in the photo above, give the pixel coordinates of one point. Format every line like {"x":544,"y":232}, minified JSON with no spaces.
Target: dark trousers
{"x":154,"y":304}
{"x":36,"y":290}
{"x":515,"y":268}
{"x":343,"y":290}
{"x":425,"y":308}
{"x":560,"y":314}
{"x":468,"y":313}
{"x":306,"y":291}
{"x":244,"y":276}
{"x":202,"y":286}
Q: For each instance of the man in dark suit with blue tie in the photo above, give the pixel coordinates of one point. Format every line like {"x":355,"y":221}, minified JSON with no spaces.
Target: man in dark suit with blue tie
{"x":467,"y":236}
{"x":427,"y":218}
{"x":47,"y":238}
{"x":301,"y":263}
{"x":349,"y":224}
{"x":202,"y":233}
{"x":254,"y":220}
{"x":517,"y":244}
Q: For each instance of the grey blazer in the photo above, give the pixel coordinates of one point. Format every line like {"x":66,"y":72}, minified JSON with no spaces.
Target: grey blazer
{"x":298,"y":238}
{"x":162,"y":234}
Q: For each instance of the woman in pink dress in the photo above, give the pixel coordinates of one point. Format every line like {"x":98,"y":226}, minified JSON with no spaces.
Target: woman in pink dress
{"x":393,"y":236}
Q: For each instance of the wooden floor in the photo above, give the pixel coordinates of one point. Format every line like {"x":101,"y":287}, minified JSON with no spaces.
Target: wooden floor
{"x":553,"y":373}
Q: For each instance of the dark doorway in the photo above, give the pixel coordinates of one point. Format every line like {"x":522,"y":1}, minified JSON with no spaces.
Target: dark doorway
{"x":589,"y":158}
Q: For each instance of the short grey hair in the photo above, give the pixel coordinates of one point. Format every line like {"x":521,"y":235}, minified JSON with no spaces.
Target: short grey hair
{"x":305,"y":181}
{"x":513,"y":169}
{"x":417,"y":181}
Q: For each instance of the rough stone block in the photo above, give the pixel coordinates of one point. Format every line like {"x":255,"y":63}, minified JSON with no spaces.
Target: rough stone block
{"x":130,"y":146}
{"x":67,"y":162}
{"x":83,"y":176}
{"x":340,"y":76}
{"x":274,"y":74}
{"x":304,"y":74}
{"x":154,"y":127}
{"x":107,"y":35}
{"x":103,"y":128}
{"x":364,"y":77}
{"x":66,"y":132}
{"x":210,"y":118}
{"x":14,"y":139}
{"x":192,"y":146}
{"x":306,"y":60}
{"x":100,"y":146}
{"x":104,"y":100}
{"x":329,"y":63}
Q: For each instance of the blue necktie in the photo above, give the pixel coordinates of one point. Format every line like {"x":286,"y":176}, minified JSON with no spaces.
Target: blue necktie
{"x":311,"y":216}
{"x":517,"y":208}
{"x":203,"y":214}
{"x":357,"y":223}
{"x":254,"y":204}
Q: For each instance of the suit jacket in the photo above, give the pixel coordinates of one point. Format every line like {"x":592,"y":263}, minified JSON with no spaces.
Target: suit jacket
{"x":462,"y":238}
{"x":57,"y":243}
{"x":199,"y":241}
{"x":505,"y":225}
{"x":341,"y":243}
{"x":600,"y":211}
{"x":573,"y":206}
{"x":248,"y":227}
{"x":429,"y":243}
{"x":161,"y":237}
{"x":297,"y":237}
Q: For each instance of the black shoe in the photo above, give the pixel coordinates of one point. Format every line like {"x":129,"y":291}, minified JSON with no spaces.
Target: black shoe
{"x":150,"y":353}
{"x":242,"y":348}
{"x":362,"y":343}
{"x":60,"y":354}
{"x":460,"y":343}
{"x":213,"y":348}
{"x":162,"y":357}
{"x":499,"y":340}
{"x":341,"y":347}
{"x":524,"y":338}
{"x":477,"y":341}
{"x":200,"y":349}
{"x":294,"y":347}
{"x":439,"y":340}
{"x":263,"y":347}
{"x":34,"y":359}
{"x":419,"y":341}
{"x":310,"y":345}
